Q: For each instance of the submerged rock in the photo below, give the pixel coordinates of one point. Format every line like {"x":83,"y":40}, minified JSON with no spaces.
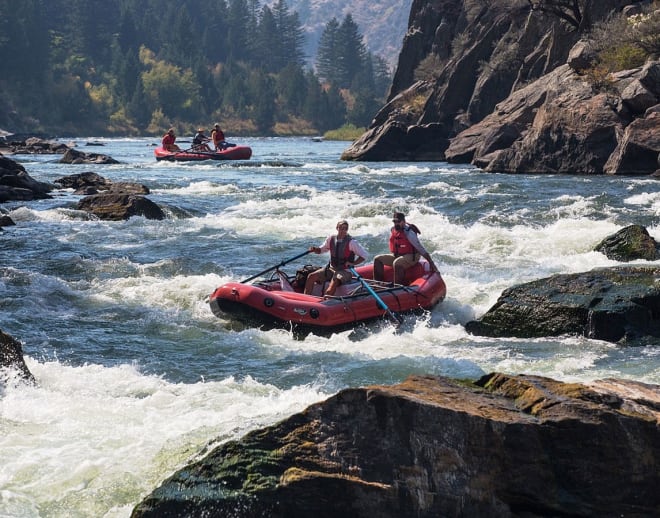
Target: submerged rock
{"x":502,"y":446}
{"x":11,"y":356}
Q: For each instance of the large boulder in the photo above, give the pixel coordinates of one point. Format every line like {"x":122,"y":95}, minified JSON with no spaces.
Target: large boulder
{"x":397,"y":135}
{"x":73,"y":156}
{"x":17,"y":184}
{"x":82,"y":180}
{"x":116,"y":207}
{"x":619,"y":304}
{"x":93,"y":183}
{"x":628,"y":244}
{"x":502,"y":446}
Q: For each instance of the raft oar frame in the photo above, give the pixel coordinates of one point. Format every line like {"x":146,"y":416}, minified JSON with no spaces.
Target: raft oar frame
{"x":395,"y":318}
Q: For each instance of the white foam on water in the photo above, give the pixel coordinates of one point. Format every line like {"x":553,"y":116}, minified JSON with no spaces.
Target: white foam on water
{"x":174,"y":294}
{"x":203,"y":187}
{"x":93,"y":440}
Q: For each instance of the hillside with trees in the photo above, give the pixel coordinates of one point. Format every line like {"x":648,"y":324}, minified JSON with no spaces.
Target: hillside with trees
{"x":125,"y":67}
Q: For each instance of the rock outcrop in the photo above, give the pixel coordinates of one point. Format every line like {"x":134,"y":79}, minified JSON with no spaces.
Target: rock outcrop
{"x":558,"y":124}
{"x":508,"y":94}
{"x":499,"y":447}
{"x":619,"y":304}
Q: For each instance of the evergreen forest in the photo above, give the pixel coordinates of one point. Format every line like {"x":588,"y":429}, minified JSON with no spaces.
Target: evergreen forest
{"x":129,"y":67}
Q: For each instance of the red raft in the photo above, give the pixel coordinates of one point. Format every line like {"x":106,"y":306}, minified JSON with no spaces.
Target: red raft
{"x":230,"y":153}
{"x":278,"y":302}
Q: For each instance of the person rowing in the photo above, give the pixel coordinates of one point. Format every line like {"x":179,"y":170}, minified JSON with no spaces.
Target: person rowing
{"x":199,"y":143}
{"x":345,"y":252}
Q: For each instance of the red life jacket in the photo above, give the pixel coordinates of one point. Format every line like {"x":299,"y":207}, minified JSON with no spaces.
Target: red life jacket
{"x":218,"y":136}
{"x":168,"y":140}
{"x":338,"y":257}
{"x":399,"y":243}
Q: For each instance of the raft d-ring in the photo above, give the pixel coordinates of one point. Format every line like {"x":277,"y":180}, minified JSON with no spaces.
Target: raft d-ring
{"x":234,"y":293}
{"x":268,"y":302}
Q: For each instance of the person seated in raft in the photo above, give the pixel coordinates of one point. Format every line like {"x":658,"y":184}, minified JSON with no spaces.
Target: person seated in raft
{"x":405,"y":250}
{"x":218,"y":137}
{"x":344,"y":253}
{"x":199,"y":143}
{"x":168,"y":141}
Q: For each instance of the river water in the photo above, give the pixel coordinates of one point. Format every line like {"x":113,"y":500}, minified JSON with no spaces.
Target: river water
{"x":136,"y":375}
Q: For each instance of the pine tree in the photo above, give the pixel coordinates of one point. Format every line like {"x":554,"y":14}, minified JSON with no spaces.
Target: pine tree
{"x":267,"y":41}
{"x":238,"y":23}
{"x":353,"y":51}
{"x":327,"y":55}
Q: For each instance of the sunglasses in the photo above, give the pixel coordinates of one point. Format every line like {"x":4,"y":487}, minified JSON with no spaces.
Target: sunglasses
{"x":397,"y":220}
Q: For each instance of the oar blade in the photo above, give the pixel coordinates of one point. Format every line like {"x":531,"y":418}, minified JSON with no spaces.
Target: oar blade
{"x":395,"y":318}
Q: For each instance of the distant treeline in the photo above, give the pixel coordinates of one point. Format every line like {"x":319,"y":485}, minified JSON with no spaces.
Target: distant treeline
{"x":136,"y":67}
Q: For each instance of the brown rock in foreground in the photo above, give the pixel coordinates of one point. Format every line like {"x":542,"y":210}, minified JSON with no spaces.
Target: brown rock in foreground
{"x":428,"y":447}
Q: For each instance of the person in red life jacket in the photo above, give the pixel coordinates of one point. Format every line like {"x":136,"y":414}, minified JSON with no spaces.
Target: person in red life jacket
{"x":168,"y":141}
{"x":344,"y":253}
{"x":218,"y":137}
{"x":405,"y":250}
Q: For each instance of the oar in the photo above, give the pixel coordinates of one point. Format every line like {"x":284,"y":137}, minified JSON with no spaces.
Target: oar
{"x":276,"y":266}
{"x":394,"y":317}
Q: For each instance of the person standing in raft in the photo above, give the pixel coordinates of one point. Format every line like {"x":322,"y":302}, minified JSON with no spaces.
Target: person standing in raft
{"x":168,"y":141}
{"x":344,"y":253}
{"x":405,"y":250}
{"x":199,"y":143}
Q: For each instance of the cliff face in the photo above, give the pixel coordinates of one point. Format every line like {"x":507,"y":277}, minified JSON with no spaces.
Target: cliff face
{"x":481,"y":56}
